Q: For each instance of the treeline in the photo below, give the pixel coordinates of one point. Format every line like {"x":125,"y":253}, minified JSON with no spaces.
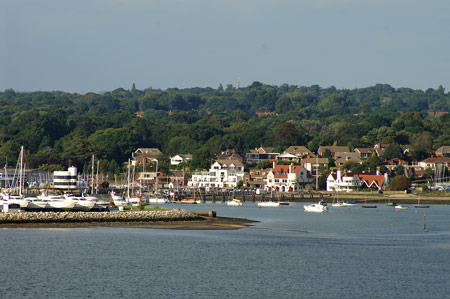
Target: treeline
{"x":59,"y":128}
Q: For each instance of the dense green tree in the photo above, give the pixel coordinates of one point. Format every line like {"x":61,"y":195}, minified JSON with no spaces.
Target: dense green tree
{"x":400,"y":183}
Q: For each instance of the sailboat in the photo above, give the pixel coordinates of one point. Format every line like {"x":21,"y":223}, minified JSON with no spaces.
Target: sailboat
{"x":419,"y":205}
{"x":270,"y":203}
{"x":337,"y":203}
{"x":366,"y":206}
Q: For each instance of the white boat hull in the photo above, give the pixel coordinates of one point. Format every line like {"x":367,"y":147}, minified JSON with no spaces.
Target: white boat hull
{"x":234,"y":203}
{"x":316,"y":207}
{"x":268,"y":204}
{"x":157,"y":200}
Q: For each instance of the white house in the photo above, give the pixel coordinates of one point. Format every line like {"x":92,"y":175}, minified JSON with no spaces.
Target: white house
{"x":434,"y":162}
{"x":224,"y":173}
{"x":342,"y":182}
{"x":287,"y":178}
{"x":175,"y":160}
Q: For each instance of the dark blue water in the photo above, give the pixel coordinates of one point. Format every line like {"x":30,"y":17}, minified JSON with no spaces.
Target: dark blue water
{"x":356,"y":253}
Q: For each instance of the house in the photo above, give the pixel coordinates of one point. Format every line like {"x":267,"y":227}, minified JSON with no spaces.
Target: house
{"x":177,"y":159}
{"x":443,"y":151}
{"x":312,"y":163}
{"x":374,"y":181}
{"x":333,"y":150}
{"x":256,"y":178}
{"x":364,"y":152}
{"x":287,"y":157}
{"x":346,"y":155}
{"x":342,"y":182}
{"x":434,"y":162}
{"x":143,"y":156}
{"x":341,"y":161}
{"x":299,"y":151}
{"x":287,"y":178}
{"x":231,"y":154}
{"x":261,"y":154}
{"x":393,"y":163}
{"x":224,"y":173}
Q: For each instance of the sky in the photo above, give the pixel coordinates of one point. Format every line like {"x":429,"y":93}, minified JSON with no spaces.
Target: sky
{"x":100,"y":45}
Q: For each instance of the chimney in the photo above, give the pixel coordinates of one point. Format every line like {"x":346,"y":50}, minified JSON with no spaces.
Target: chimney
{"x":291,"y":168}
{"x":274,"y":164}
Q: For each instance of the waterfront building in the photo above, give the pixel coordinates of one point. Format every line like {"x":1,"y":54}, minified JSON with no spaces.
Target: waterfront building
{"x":287,"y":178}
{"x":256,"y":178}
{"x":224,"y":173}
{"x":261,"y":154}
{"x":66,"y":180}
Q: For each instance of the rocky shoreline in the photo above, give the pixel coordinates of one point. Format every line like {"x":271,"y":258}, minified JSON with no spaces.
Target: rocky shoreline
{"x":167,"y":219}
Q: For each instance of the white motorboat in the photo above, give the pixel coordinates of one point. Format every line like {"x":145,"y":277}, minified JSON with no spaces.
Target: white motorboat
{"x":57,"y":202}
{"x":316,"y":207}
{"x":338,"y":204}
{"x":268,"y":204}
{"x":134,"y":200}
{"x":401,"y":207}
{"x":35,"y":203}
{"x":157,"y":200}
{"x":81,"y":203}
{"x":234,"y":202}
{"x":14,"y":199}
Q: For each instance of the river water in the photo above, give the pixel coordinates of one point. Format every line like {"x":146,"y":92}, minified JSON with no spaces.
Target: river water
{"x":343,"y":253}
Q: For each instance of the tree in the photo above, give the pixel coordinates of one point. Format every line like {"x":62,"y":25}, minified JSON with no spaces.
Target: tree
{"x":393,"y":150}
{"x":283,"y":105}
{"x":286,"y":134}
{"x":400,"y":183}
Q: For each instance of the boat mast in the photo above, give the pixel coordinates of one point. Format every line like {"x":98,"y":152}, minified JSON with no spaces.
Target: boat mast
{"x":21,"y":171}
{"x":96,"y":185}
{"x":92,"y":183}
{"x":128,"y":180}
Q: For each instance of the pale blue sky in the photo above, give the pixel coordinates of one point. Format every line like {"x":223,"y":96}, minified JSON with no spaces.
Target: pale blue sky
{"x":100,"y":45}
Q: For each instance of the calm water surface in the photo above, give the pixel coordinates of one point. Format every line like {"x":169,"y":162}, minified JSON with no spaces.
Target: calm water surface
{"x":344,"y":253}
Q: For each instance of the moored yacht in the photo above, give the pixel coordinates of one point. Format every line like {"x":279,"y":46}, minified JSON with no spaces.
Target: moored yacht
{"x":81,"y":203}
{"x":268,"y":204}
{"x":58,"y":202}
{"x":234,"y":202}
{"x":320,"y":206}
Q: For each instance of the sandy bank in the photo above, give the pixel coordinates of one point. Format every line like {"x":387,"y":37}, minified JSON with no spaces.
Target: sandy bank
{"x":201,"y":223}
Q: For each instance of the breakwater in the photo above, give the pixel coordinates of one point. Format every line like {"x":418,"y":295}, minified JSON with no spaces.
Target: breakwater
{"x":97,"y":217}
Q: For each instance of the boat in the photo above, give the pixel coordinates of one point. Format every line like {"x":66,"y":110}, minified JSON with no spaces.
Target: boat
{"x":366,"y":206}
{"x":81,"y":203}
{"x":320,"y":206}
{"x":35,"y":203}
{"x":118,"y":200}
{"x":268,"y":204}
{"x":58,"y":202}
{"x":401,"y":207}
{"x":349,"y":203}
{"x":369,"y":206}
{"x":419,"y":206}
{"x":234,"y":202}
{"x":391,"y":204}
{"x":14,"y":199}
{"x":338,"y":204}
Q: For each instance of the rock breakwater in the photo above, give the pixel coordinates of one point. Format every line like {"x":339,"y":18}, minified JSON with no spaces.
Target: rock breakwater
{"x":97,"y":217}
